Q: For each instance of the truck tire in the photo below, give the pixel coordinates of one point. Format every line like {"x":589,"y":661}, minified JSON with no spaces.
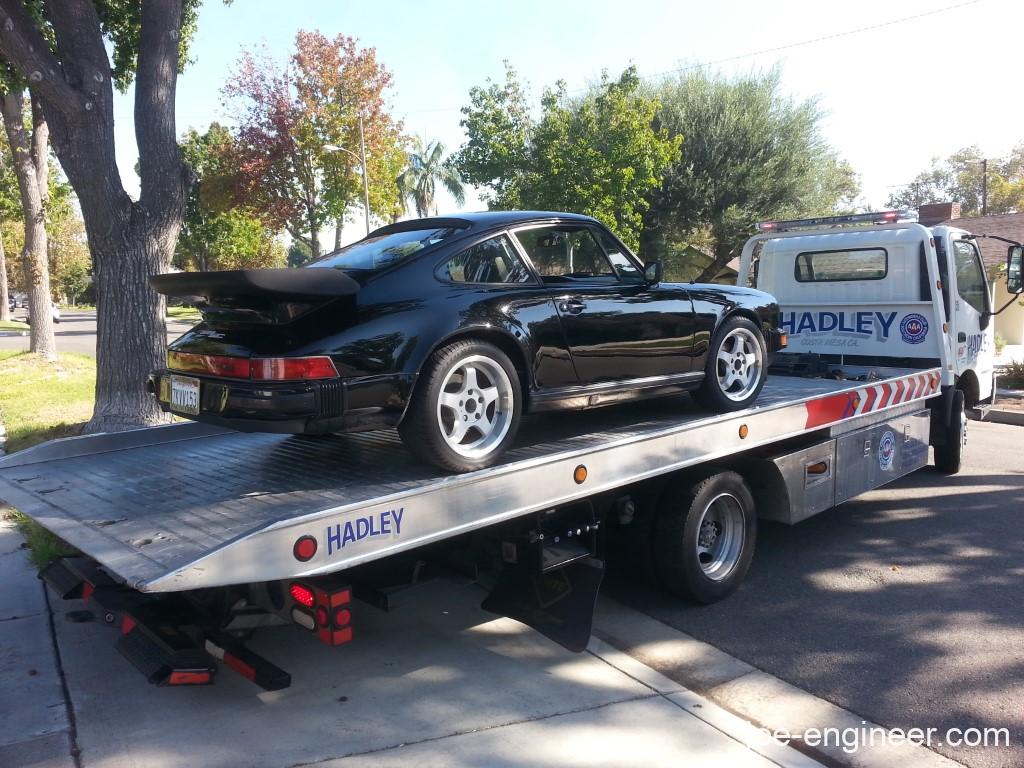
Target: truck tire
{"x":704,"y":537}
{"x":736,"y":367}
{"x":466,"y":407}
{"x":949,"y":455}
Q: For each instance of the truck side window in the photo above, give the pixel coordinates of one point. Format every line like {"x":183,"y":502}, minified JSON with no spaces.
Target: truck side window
{"x":970,"y":277}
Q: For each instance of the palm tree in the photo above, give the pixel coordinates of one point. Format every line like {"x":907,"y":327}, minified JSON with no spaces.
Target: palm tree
{"x":427,"y":167}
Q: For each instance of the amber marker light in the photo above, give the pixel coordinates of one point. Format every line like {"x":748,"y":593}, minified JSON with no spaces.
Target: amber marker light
{"x":579,"y":474}
{"x":744,"y":431}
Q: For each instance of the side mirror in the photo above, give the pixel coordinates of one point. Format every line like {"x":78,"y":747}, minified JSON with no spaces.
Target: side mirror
{"x":653,"y":271}
{"x":1014,"y":275}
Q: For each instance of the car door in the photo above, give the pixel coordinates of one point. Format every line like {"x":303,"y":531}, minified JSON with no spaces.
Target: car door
{"x":617,"y":327}
{"x":972,"y":304}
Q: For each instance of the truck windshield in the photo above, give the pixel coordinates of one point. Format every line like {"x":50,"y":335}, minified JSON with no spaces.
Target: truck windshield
{"x":382,"y":251}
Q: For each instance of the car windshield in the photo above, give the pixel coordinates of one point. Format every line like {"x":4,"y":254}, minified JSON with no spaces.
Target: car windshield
{"x":382,"y":251}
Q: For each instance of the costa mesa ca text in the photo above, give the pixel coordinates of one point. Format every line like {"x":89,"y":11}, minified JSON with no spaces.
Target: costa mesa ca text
{"x":852,"y":739}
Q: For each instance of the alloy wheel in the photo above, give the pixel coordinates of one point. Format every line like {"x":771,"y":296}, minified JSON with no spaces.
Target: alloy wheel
{"x":475,"y":406}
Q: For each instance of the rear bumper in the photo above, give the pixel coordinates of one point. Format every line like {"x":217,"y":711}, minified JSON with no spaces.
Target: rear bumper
{"x":302,"y":407}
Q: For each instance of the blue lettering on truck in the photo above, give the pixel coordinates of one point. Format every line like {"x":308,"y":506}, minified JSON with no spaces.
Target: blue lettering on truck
{"x":368,"y":527}
{"x":864,"y":323}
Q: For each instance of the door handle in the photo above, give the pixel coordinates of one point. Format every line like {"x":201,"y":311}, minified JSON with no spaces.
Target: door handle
{"x":961,"y":337}
{"x":572,"y":306}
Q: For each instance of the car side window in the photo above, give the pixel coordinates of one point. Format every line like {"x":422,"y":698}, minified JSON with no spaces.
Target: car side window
{"x":492,"y":261}
{"x":563,"y":253}
{"x":970,"y":278}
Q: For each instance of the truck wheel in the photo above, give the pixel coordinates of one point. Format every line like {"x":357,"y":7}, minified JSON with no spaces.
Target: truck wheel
{"x":705,"y":535}
{"x":465,"y":409}
{"x":736,"y":367}
{"x":949,"y":456}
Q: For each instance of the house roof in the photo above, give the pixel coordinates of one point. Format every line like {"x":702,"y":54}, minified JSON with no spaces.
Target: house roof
{"x":1009,"y":225}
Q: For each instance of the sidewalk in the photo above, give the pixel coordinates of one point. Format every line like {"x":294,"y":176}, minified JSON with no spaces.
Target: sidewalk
{"x":34,"y":726}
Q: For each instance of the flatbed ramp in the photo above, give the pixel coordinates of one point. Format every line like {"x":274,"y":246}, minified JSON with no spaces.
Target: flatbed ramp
{"x":188,"y":506}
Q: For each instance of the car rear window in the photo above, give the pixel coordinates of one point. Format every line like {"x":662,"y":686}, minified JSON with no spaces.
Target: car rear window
{"x":382,"y":251}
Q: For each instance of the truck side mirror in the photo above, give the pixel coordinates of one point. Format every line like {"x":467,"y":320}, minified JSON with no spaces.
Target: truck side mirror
{"x":1014,"y":275}
{"x":653,"y":271}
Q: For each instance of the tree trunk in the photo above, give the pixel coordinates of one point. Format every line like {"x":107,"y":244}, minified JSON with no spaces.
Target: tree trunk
{"x":314,"y":238}
{"x":129,"y":241}
{"x":5,"y":297}
{"x":337,"y":234}
{"x":34,"y":262}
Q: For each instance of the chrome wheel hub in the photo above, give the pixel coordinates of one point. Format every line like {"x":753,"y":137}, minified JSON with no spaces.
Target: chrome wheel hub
{"x":739,"y":364}
{"x":720,"y":536}
{"x":475,"y":408}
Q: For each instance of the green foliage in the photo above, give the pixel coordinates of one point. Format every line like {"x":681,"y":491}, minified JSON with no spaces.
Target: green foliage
{"x":958,"y":179}
{"x":1012,"y":375}
{"x":750,"y":153}
{"x":299,"y":254}
{"x":600,"y":154}
{"x":1000,"y":342}
{"x":216,"y":233}
{"x":428,"y":167}
{"x":121,"y":22}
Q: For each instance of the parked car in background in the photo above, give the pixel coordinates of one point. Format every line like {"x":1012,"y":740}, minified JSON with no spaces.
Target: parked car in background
{"x":452,"y":328}
{"x":54,"y":312}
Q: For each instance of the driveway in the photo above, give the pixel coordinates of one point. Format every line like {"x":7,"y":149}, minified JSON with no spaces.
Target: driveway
{"x":76,"y":332}
{"x":904,"y":606}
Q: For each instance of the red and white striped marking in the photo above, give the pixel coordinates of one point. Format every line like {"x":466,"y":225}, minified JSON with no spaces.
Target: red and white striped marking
{"x":870,"y":398}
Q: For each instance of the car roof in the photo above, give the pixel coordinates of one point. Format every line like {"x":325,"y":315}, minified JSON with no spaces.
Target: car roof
{"x":479,"y":220}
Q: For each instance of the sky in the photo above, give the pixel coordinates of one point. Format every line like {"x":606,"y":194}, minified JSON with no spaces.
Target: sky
{"x":895,"y":94}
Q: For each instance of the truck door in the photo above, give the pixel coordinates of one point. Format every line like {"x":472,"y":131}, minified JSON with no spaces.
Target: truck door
{"x":971,"y":321}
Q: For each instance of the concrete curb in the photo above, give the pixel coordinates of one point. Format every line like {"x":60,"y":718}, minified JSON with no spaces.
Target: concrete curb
{"x":739,"y":689}
{"x":997,"y":416}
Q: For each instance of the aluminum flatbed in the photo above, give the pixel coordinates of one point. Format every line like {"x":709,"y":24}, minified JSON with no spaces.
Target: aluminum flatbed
{"x":188,"y":506}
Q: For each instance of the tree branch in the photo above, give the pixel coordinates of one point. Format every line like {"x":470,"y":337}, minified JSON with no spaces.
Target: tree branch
{"x":24,"y":46}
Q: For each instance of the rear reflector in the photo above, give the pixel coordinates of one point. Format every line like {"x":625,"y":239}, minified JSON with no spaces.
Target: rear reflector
{"x":255,"y":368}
{"x":245,"y":670}
{"x":304,"y":549}
{"x":185,"y":677}
{"x":302,"y":595}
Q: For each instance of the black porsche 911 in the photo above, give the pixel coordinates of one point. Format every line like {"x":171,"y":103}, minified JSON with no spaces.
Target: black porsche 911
{"x":452,"y":328}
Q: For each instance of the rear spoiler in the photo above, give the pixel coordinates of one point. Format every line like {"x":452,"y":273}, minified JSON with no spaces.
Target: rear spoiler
{"x":260,"y":296}
{"x":242,"y":286}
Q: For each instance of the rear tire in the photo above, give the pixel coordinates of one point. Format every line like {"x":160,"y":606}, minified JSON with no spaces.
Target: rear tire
{"x":736,"y":368}
{"x":465,"y":409}
{"x":704,"y":536}
{"x":949,"y":456}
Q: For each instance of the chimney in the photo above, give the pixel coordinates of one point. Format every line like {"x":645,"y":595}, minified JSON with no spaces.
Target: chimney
{"x":935,"y":213}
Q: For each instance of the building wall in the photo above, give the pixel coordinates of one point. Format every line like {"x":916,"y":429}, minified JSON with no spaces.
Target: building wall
{"x":1010,"y":324}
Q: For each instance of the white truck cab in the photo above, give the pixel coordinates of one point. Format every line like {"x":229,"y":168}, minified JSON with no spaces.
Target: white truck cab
{"x":880,"y":289}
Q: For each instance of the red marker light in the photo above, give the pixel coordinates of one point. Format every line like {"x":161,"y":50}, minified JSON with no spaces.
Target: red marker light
{"x":342,"y":617}
{"x":302,"y":595}
{"x":304,"y":549}
{"x":321,"y":616}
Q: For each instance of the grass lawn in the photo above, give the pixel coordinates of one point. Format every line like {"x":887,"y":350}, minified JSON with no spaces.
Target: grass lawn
{"x":40,"y":401}
{"x":13,"y":325}
{"x":184,"y":314}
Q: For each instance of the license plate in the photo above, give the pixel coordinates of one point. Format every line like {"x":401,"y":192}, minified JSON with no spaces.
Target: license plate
{"x":185,"y":395}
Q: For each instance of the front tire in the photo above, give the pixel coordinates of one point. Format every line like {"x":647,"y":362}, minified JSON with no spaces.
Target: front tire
{"x":704,"y":536}
{"x":466,"y":407}
{"x":736,"y":368}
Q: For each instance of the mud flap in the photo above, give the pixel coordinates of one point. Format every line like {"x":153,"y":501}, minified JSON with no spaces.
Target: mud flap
{"x":559,"y":603}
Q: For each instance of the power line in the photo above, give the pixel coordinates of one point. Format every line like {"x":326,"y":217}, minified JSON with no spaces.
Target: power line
{"x":753,"y":54}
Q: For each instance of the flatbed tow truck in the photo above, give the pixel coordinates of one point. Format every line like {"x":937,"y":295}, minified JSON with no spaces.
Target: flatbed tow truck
{"x":192,"y":537}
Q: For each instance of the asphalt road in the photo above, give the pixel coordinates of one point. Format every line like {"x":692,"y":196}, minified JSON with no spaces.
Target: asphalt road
{"x":904,"y":606}
{"x":76,"y":332}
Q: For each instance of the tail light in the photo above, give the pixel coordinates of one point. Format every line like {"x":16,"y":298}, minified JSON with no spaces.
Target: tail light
{"x":302,"y":595}
{"x":254,"y":368}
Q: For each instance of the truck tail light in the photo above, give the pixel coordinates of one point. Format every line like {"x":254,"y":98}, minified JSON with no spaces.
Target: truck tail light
{"x":302,"y":595}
